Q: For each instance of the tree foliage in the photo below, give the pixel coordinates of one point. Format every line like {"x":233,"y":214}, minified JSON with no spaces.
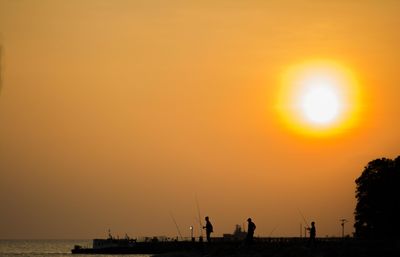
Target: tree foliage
{"x":377,"y":212}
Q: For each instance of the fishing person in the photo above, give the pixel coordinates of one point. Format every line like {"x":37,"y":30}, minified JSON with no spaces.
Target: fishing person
{"x":313,"y":234}
{"x":251,"y":227}
{"x":311,"y":230}
{"x":209,"y":229}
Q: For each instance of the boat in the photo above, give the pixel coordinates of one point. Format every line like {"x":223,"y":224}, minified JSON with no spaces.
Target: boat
{"x":122,"y":246}
{"x":146,"y":245}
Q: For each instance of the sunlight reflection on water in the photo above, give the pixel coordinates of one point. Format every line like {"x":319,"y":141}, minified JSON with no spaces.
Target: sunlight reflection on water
{"x":45,"y":248}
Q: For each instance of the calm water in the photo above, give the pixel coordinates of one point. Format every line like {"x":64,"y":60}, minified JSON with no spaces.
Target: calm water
{"x":45,"y":248}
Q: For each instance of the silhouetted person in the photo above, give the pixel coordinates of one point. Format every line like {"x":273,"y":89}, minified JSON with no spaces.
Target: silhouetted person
{"x":209,"y":229}
{"x":313,"y":233}
{"x":251,"y":227}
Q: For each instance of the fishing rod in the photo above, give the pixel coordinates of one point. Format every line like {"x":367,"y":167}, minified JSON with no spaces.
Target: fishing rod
{"x":272,"y":231}
{"x":199,"y":216}
{"x":176,"y":225}
{"x":304,"y":219}
{"x":1,"y":55}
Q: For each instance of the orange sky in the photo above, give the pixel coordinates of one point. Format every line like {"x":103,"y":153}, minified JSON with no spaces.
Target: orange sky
{"x":114,"y":114}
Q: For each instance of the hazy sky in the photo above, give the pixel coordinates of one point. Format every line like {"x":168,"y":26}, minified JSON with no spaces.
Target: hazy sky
{"x":114,"y":114}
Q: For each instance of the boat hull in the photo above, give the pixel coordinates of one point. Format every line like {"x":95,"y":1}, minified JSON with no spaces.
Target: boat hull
{"x":140,"y":248}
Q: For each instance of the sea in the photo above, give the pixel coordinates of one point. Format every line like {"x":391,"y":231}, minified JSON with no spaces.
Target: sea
{"x":46,"y":248}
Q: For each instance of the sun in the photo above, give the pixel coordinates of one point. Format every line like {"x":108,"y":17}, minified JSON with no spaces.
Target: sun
{"x":320,"y":104}
{"x":319,"y":98}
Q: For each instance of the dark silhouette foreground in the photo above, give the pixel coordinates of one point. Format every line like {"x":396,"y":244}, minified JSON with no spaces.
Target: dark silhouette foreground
{"x":296,"y":248}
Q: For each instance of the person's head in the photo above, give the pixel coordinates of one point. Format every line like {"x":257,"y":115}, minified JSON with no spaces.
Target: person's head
{"x":206,"y":218}
{"x":249,"y":219}
{"x":312,"y":223}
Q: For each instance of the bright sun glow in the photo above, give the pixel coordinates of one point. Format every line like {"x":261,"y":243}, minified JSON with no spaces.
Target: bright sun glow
{"x":319,"y":98}
{"x":320,"y":104}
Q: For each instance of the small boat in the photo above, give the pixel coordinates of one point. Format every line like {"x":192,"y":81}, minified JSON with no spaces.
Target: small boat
{"x":127,"y":245}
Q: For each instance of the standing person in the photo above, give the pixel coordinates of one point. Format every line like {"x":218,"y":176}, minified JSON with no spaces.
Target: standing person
{"x":250,"y":230}
{"x":313,"y":233}
{"x":209,"y":229}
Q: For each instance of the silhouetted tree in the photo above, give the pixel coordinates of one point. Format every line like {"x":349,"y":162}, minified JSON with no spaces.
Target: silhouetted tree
{"x":377,"y":213}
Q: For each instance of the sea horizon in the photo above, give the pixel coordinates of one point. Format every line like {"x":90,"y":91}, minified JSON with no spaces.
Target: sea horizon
{"x":44,"y":247}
